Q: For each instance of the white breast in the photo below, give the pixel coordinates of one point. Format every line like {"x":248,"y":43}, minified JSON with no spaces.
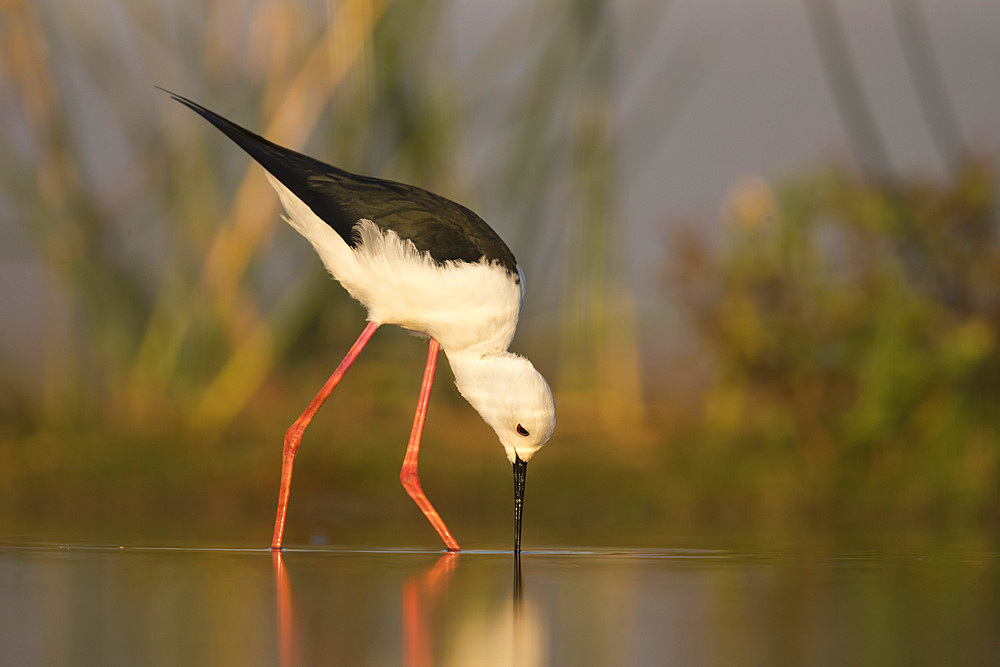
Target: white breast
{"x":461,"y":304}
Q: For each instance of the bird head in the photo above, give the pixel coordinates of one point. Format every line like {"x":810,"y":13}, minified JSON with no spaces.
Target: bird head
{"x":512,"y":397}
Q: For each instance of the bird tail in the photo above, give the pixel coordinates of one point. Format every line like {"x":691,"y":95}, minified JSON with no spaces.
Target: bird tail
{"x":295,"y":171}
{"x":267,"y":153}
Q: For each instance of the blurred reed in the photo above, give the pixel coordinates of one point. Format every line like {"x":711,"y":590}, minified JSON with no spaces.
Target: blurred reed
{"x":183,"y":328}
{"x":851,"y":320}
{"x":190,"y":338}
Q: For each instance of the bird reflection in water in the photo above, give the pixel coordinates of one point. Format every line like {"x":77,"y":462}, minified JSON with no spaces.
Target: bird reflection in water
{"x":287,"y":642}
{"x":517,"y":583}
{"x":516,"y":632}
{"x":420,"y":595}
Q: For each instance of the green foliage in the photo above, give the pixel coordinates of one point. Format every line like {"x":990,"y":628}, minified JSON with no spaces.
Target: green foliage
{"x":854,"y":328}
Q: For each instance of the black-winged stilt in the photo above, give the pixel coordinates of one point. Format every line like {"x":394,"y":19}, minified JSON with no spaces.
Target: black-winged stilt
{"x":432,"y":266}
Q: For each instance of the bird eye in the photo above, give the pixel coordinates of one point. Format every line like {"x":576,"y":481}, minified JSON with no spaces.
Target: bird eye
{"x":522,"y":431}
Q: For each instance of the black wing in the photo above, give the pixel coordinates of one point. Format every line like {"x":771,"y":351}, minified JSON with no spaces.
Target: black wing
{"x":436,"y":225}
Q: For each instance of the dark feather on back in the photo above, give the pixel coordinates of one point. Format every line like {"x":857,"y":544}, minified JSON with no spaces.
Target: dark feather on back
{"x":446,"y":230}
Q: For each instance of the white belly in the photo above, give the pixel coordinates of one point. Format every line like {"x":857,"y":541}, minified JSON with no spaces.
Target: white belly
{"x":460,"y":304}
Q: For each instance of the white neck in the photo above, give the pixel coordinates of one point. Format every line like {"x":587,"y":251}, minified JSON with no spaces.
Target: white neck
{"x":472,"y":369}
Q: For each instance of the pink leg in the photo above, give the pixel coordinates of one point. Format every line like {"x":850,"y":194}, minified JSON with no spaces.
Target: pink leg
{"x":408,"y":475}
{"x":293,"y":436}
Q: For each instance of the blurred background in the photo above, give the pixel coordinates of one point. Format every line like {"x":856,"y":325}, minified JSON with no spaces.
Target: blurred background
{"x":760,"y":240}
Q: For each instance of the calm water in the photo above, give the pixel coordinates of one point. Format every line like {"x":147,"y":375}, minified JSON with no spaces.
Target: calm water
{"x":94,"y":605}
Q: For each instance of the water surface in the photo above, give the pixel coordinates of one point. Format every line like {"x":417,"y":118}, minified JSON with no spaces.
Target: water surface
{"x":82,"y":604}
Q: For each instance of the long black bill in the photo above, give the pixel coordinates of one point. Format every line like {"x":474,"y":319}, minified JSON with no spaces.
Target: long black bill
{"x":520,"y":469}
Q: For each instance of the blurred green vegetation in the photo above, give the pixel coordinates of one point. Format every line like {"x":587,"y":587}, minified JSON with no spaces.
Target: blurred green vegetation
{"x":851,"y":324}
{"x":854,"y":331}
{"x":185,"y":327}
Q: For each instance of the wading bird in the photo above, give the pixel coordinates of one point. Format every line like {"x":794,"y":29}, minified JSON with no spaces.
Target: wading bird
{"x":429,"y":265}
